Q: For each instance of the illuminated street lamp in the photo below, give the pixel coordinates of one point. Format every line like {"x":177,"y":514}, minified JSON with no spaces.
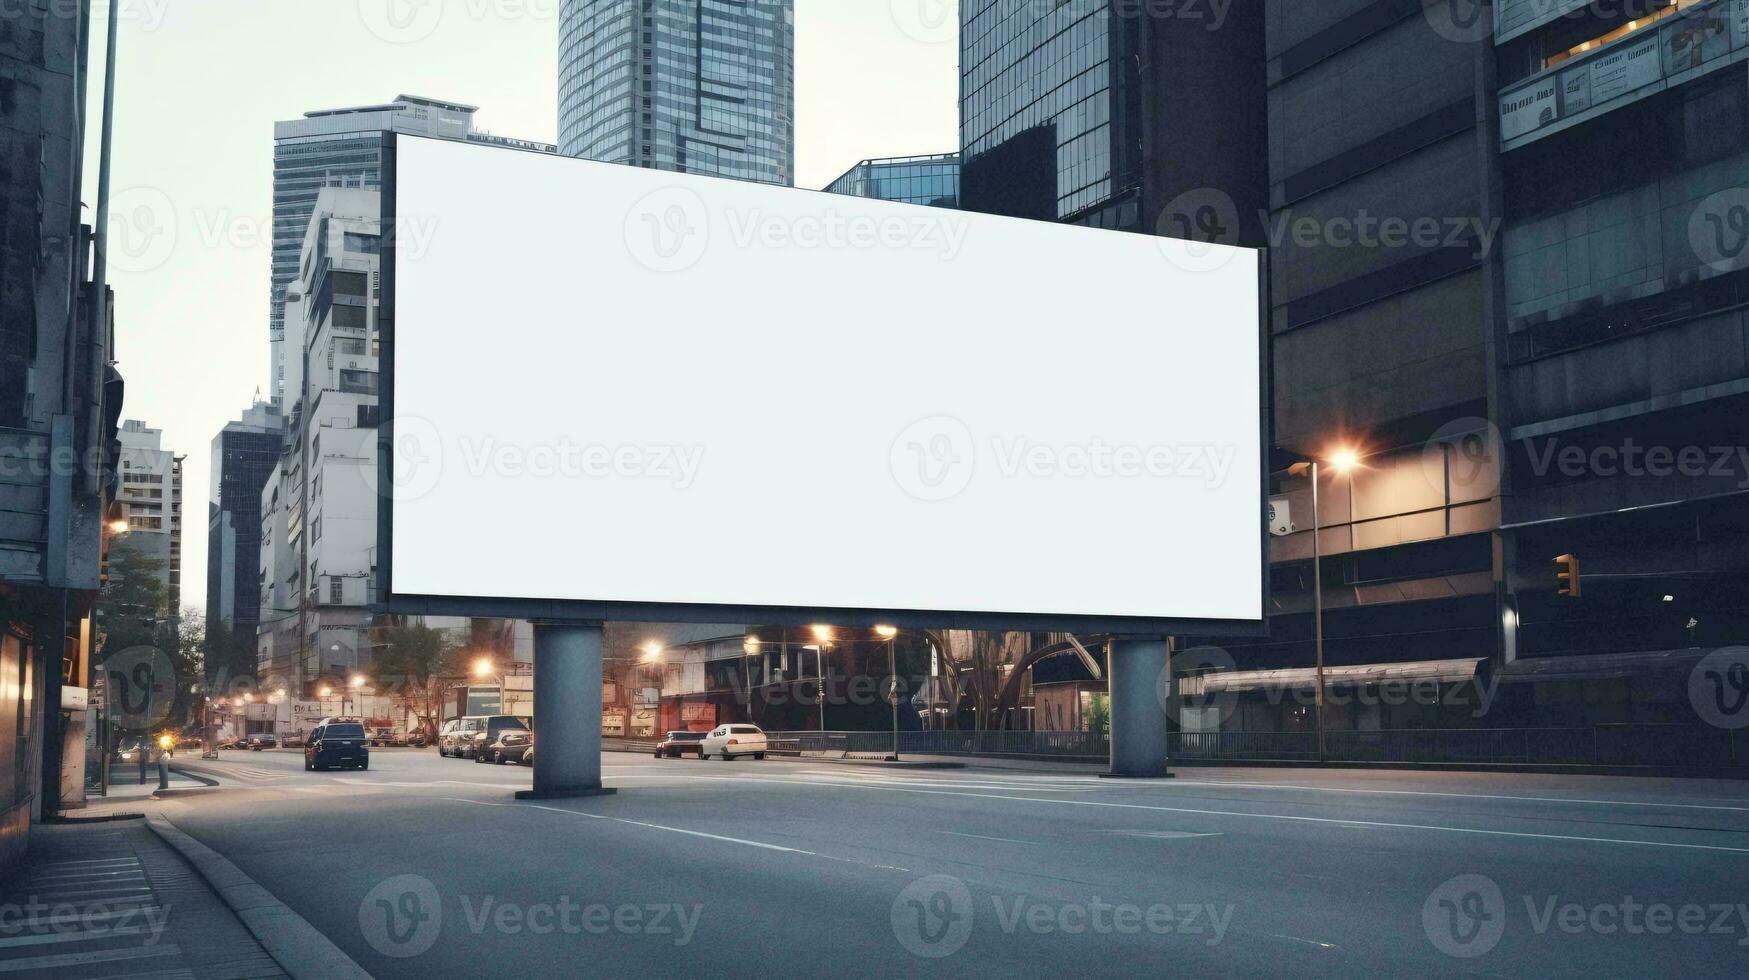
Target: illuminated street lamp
{"x":823,"y":634}
{"x":1343,"y":460}
{"x":652,"y":652}
{"x":483,"y":667}
{"x":891,"y":635}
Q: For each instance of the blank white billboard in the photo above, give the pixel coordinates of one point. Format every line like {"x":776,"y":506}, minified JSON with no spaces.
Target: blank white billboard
{"x":613,"y":384}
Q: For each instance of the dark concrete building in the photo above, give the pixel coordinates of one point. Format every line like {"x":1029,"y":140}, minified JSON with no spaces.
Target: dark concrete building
{"x":1380,"y":237}
{"x":1623,"y":384}
{"x":60,"y":399}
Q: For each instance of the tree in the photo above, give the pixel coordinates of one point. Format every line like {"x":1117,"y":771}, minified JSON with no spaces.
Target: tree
{"x":423,"y":666}
{"x":131,"y":613}
{"x":230,"y":659}
{"x":131,"y":606}
{"x":1099,"y":716}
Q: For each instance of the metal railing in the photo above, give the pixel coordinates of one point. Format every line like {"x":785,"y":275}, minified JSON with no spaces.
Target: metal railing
{"x":1068,"y":745}
{"x":1599,"y":745}
{"x":1625,"y":745}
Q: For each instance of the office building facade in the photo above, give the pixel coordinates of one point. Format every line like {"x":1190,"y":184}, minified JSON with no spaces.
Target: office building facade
{"x":1134,"y":117}
{"x":932,"y":180}
{"x":344,"y":148}
{"x":692,"y":86}
{"x":243,"y":454}
{"x":1623,"y":158}
{"x":150,"y":493}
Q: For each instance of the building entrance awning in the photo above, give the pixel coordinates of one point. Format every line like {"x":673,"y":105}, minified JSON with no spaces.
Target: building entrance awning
{"x":1354,"y":675}
{"x":1602,"y":666}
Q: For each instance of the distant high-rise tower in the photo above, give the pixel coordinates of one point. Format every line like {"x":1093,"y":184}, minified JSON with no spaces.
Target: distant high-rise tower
{"x":697,"y":86}
{"x":344,"y":148}
{"x":244,"y":452}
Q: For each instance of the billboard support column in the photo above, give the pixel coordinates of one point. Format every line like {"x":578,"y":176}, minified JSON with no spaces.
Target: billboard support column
{"x":1138,"y":672}
{"x":567,"y":711}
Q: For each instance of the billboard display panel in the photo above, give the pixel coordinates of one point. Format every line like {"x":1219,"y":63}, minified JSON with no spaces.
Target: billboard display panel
{"x":611,"y":389}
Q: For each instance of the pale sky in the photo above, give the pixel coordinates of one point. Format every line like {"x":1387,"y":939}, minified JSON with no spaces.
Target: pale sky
{"x":201,"y":82}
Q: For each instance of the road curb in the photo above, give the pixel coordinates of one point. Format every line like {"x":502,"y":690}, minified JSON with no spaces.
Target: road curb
{"x":194,"y":775}
{"x":299,"y":949}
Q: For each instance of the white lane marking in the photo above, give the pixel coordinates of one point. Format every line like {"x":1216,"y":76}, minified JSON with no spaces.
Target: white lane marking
{"x":1338,"y":821}
{"x":640,"y":823}
{"x":1005,"y":840}
{"x":1461,"y":796}
{"x":1158,"y":834}
{"x":45,"y":939}
{"x":64,"y":960}
{"x":1236,"y":784}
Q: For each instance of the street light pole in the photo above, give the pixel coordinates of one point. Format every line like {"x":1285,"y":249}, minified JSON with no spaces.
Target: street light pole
{"x":1318,"y":613}
{"x":1343,"y":460}
{"x":892,"y":635}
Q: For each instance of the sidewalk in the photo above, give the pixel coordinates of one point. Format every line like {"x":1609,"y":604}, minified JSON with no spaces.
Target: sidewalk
{"x":110,"y":900}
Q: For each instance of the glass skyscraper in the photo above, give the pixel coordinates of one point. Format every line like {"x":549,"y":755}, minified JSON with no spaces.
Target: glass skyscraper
{"x":696,"y":86}
{"x":932,"y":180}
{"x":1036,"y":106}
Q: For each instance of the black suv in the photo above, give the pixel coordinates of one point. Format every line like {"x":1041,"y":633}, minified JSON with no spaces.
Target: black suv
{"x":337,"y":743}
{"x":490,"y":727}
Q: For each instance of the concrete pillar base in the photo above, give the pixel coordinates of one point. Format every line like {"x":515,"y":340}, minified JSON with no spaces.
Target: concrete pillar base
{"x":562,"y":793}
{"x":567,"y":711}
{"x":1139,"y":681}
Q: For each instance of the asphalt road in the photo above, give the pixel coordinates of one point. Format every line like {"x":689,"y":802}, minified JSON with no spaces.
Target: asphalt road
{"x":424,"y":867}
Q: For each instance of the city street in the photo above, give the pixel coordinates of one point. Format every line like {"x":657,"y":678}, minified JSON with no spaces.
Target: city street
{"x":783,"y":867}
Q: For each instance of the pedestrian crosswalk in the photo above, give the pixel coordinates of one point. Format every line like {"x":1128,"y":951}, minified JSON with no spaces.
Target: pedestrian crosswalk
{"x":225,"y":769}
{"x":91,"y":917}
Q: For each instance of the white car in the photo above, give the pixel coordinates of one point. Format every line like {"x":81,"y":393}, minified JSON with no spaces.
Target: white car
{"x":728,"y":741}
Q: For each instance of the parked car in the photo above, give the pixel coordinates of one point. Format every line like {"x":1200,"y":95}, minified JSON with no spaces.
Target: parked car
{"x":385,"y":737}
{"x":337,"y":743}
{"x":509,"y":747}
{"x":528,"y":757}
{"x":487,"y":732}
{"x":730,"y":741}
{"x":676,"y":744}
{"x":449,"y":737}
{"x":415,"y":739}
{"x":256,"y":741}
{"x":128,"y":751}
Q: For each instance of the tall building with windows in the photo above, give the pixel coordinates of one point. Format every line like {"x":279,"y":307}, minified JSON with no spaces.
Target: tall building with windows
{"x":151,"y":492}
{"x":344,"y":148}
{"x":243,"y":454}
{"x":1623,"y":156}
{"x":60,"y":403}
{"x":1137,"y":117}
{"x":694,"y":86}
{"x":318,"y":508}
{"x":933,"y":180}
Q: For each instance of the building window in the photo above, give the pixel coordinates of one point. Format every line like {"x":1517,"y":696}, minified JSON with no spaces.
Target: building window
{"x":336,"y":591}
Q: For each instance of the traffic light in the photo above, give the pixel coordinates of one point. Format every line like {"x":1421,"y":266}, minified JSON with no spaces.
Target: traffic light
{"x":1567,"y":573}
